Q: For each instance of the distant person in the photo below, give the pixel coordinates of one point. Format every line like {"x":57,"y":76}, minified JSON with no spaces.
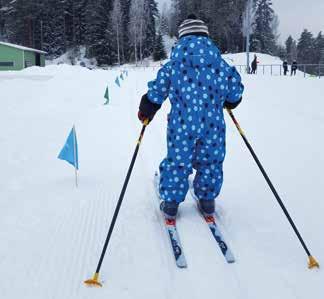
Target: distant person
{"x":294,"y":67}
{"x":254,"y":64}
{"x":285,"y":67}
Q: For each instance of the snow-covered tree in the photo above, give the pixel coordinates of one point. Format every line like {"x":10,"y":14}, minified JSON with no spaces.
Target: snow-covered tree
{"x":102,"y":39}
{"x":151,"y":12}
{"x":319,"y":48}
{"x":263,"y":38}
{"x":306,"y":48}
{"x":164,"y":21}
{"x":136,"y":27}
{"x":223,"y":17}
{"x":52,"y":25}
{"x":159,"y":52}
{"x":142,"y":27}
{"x":4,"y":11}
{"x":289,"y":47}
{"x":117,"y":22}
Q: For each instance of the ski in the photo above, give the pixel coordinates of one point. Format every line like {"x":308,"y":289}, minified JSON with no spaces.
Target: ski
{"x":217,"y":234}
{"x":171,"y":228}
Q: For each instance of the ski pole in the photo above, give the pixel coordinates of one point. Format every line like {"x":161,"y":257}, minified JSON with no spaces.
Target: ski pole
{"x":94,"y":280}
{"x":311,"y":260}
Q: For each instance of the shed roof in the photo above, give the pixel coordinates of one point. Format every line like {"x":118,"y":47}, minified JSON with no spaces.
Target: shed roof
{"x":22,"y":48}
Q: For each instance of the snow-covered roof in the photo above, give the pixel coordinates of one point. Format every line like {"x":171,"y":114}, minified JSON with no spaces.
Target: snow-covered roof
{"x":22,"y":48}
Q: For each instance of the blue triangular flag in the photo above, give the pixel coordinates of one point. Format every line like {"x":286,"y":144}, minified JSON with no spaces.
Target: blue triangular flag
{"x":106,"y":96}
{"x":69,"y":151}
{"x":117,"y":82}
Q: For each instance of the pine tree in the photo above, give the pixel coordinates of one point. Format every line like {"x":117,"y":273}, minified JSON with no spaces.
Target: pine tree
{"x":110,"y":32}
{"x":53,"y":39}
{"x":142,"y":27}
{"x":319,"y":48}
{"x":102,"y":41}
{"x":306,"y":48}
{"x":289,"y":48}
{"x":19,"y":22}
{"x":159,"y":52}
{"x":90,"y":18}
{"x":281,"y":52}
{"x":174,"y":17}
{"x":164,"y":22}
{"x":223,"y":17}
{"x":126,"y":39}
{"x":3,"y":13}
{"x":151,"y":12}
{"x":263,"y":38}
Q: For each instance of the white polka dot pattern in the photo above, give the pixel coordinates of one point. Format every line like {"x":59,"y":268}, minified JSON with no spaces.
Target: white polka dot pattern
{"x":198,"y":82}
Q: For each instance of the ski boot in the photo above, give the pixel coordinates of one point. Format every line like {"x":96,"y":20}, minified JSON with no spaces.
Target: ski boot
{"x":206,"y":207}
{"x":169,"y":209}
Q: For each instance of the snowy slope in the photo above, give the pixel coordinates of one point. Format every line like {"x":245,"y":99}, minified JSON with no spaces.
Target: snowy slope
{"x":240,"y":58}
{"x":52,"y":233}
{"x":267,"y":64}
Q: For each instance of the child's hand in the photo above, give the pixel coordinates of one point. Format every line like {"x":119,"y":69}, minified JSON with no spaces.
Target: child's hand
{"x":142,"y":117}
{"x":147,"y":109}
{"x":229,"y":105}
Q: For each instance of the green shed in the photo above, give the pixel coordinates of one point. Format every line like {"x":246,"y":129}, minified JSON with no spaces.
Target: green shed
{"x":15,"y":57}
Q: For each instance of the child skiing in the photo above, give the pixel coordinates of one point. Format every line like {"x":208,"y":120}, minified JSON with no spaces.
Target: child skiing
{"x":199,"y":83}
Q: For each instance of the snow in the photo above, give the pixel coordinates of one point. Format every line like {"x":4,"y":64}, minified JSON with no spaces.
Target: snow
{"x":240,"y":58}
{"x":267,"y":64}
{"x":22,"y":47}
{"x":168,"y":43}
{"x":52,"y":233}
{"x":78,"y":58}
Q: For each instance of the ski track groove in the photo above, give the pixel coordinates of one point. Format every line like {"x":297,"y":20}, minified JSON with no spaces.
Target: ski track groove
{"x":77,"y":229}
{"x":157,"y":138}
{"x":98,"y":229}
{"x":84,"y":246}
{"x":166,"y":255}
{"x":54,"y":255}
{"x":231,"y":270}
{"x":49,"y":253}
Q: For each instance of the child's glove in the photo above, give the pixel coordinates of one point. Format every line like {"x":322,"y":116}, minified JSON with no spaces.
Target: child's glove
{"x":230,"y":105}
{"x":147,"y":109}
{"x":141,"y":117}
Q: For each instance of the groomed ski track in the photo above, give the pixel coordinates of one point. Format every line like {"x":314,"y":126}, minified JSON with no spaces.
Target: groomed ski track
{"x":52,"y":233}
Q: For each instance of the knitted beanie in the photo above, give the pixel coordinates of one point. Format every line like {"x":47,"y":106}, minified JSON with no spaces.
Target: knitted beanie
{"x":192,"y":25}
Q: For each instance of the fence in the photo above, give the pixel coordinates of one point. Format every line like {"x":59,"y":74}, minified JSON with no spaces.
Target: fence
{"x":307,"y":70}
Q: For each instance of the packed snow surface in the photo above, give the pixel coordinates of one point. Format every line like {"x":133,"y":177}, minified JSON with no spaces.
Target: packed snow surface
{"x":52,"y":233}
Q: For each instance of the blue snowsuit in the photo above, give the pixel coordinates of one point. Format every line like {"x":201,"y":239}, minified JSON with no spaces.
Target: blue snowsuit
{"x":198,"y":82}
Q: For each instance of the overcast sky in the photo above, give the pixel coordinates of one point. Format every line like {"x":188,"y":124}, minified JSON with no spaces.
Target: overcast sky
{"x":295,"y":15}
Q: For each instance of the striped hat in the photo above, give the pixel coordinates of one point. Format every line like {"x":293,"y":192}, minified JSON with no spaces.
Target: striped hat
{"x":192,"y":25}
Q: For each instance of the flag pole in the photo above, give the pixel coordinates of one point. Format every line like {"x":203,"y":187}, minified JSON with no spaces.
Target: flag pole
{"x":74,"y":150}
